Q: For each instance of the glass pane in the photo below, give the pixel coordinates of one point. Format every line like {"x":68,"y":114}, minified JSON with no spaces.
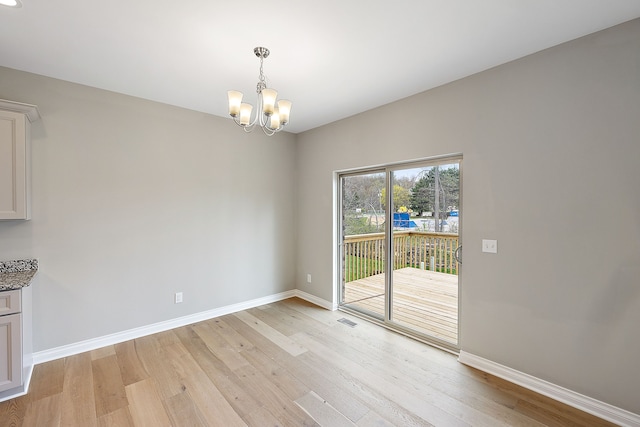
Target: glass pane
{"x":424,"y":284}
{"x":363,"y":238}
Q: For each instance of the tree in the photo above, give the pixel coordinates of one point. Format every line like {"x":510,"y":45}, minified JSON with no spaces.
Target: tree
{"x":362,"y":192}
{"x":424,"y":191}
{"x":420,"y":200}
{"x":361,"y":209}
{"x":401,"y":196}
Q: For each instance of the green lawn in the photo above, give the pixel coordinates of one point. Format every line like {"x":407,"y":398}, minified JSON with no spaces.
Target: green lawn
{"x":355,"y":266}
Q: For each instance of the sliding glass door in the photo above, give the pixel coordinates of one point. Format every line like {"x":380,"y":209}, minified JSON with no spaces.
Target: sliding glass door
{"x":399,"y":241}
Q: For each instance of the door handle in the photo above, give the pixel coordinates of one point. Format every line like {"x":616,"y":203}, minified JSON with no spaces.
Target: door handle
{"x":458,"y":254}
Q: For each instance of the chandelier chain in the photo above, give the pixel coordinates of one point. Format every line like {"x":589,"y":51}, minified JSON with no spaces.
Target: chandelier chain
{"x":262,"y":84}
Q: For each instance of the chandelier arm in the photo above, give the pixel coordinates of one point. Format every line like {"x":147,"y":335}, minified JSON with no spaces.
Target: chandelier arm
{"x":268,"y":131}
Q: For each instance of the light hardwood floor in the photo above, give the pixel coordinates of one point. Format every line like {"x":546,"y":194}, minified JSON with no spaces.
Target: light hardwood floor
{"x":284,"y":364}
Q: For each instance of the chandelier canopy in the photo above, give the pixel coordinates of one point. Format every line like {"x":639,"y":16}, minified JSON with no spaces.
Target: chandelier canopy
{"x":272,"y":116}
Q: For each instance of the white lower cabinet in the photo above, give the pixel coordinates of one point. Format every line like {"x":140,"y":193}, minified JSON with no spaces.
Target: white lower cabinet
{"x":16,"y":352}
{"x":10,"y":351}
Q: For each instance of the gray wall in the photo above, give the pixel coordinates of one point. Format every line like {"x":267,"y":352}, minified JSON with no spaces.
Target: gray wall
{"x":551,"y":147}
{"x":135,"y":200}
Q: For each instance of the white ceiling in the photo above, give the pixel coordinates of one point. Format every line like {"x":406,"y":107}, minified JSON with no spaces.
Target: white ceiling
{"x":332,"y":58}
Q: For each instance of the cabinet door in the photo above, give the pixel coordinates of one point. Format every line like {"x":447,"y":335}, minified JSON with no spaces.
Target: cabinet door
{"x":13,"y":166}
{"x":10,"y":302}
{"x":10,"y":351}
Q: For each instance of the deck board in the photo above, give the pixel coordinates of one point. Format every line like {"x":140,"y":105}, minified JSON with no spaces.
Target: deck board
{"x":424,"y":300}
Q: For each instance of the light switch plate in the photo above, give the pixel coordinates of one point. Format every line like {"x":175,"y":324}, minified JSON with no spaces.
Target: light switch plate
{"x":490,"y":246}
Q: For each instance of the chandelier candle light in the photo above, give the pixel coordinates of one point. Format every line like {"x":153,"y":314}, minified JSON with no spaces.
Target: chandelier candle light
{"x":271,"y":116}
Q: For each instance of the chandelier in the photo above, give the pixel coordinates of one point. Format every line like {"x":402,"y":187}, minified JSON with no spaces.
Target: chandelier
{"x":271,"y":116}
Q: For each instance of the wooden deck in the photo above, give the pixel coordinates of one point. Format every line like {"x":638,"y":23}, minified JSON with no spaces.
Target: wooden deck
{"x":423,"y":300}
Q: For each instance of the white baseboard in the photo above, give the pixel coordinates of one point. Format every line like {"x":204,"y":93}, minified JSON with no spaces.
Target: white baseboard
{"x":584,"y":403}
{"x":94,"y":343}
{"x":315,"y":300}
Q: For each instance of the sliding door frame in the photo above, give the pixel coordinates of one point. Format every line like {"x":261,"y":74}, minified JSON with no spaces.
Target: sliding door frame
{"x":387,"y":321}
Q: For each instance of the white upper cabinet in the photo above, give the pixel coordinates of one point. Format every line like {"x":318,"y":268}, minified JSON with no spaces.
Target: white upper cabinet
{"x":15,"y":162}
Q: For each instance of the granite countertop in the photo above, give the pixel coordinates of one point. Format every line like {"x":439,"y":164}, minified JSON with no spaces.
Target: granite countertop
{"x":17,"y":274}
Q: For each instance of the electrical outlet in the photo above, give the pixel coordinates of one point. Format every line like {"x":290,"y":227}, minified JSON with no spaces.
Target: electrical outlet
{"x":308,"y":278}
{"x":178,"y":297}
{"x":490,"y":246}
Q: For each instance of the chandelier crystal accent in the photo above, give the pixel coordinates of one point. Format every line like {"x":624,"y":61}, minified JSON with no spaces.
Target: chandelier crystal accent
{"x":271,"y":115}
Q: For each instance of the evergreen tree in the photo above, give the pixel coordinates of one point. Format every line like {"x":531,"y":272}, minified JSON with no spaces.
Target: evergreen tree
{"x":423,"y":192}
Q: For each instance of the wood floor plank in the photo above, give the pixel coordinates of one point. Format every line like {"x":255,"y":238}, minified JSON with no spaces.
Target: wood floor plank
{"x":102,"y":352}
{"x":78,"y":408}
{"x":44,"y":412}
{"x":183,"y":412}
{"x":166,"y":338}
{"x":236,"y":340}
{"x":280,"y":405}
{"x":47,"y":380}
{"x":322,"y":412}
{"x":206,"y":396}
{"x":240,"y":398}
{"x":108,"y":387}
{"x":277,"y":375}
{"x":219,"y":346}
{"x":118,"y":418}
{"x":261,"y":417}
{"x":299,"y":317}
{"x":278,"y":338}
{"x":274,"y":319}
{"x":156,"y":362}
{"x":131,"y":369}
{"x":372,"y":419}
{"x":326,"y":317}
{"x":145,"y":406}
{"x":12,"y":412}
